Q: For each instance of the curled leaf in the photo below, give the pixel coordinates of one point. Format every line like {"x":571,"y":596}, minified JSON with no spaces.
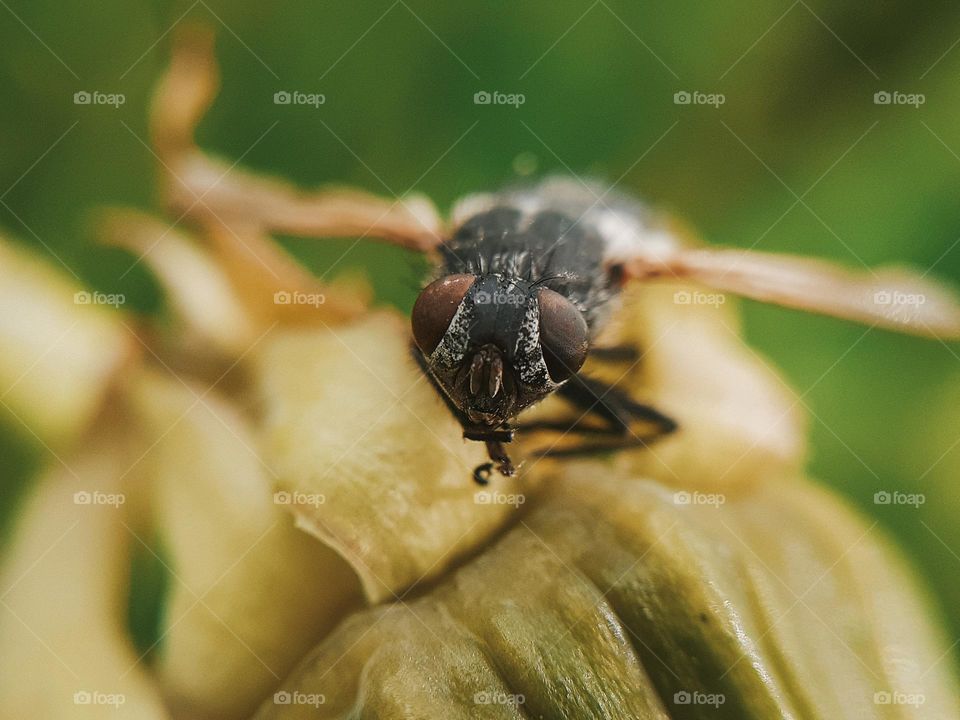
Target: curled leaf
{"x":273,"y":286}
{"x":198,"y":291}
{"x":61,"y":346}
{"x":616,"y":597}
{"x":250,"y":593}
{"x":64,"y":588}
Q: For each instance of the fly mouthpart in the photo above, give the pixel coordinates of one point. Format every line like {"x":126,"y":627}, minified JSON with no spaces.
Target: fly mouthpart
{"x":486,"y":373}
{"x":483,"y":418}
{"x":495,"y":377}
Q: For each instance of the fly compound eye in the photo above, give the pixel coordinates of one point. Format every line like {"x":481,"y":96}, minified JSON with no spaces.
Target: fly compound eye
{"x":564,"y":337}
{"x":435,"y":307}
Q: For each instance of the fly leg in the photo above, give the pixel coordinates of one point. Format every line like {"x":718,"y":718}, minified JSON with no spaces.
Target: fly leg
{"x":615,"y":353}
{"x":499,"y":459}
{"x":615,"y":408}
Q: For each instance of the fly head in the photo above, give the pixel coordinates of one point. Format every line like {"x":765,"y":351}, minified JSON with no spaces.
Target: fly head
{"x":496,"y":345}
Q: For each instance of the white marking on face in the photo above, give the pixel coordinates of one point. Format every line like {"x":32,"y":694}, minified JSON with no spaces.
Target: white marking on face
{"x":532,"y":368}
{"x":453,"y":346}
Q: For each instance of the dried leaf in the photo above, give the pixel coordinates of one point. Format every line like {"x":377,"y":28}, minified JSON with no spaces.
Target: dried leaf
{"x":61,"y":346}
{"x":274,"y":287}
{"x":617,"y":598}
{"x":250,"y":592}
{"x":64,"y":590}
{"x":198,"y":291}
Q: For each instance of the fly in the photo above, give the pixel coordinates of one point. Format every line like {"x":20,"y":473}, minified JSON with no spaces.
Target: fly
{"x":522,"y":289}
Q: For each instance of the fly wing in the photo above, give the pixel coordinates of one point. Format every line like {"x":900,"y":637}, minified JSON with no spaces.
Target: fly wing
{"x":893,"y":298}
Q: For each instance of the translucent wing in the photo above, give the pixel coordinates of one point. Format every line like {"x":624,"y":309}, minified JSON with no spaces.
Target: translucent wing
{"x":893,"y":298}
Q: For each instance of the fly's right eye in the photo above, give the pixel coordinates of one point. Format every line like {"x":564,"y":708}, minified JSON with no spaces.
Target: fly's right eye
{"x":435,"y":307}
{"x":564,"y":337}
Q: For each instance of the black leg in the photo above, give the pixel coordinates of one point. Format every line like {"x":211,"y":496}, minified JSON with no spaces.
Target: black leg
{"x":615,"y":353}
{"x":611,"y":405}
{"x":587,"y":449}
{"x":498,"y":458}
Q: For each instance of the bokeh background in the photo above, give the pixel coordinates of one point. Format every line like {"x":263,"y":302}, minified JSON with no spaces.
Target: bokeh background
{"x":799,"y":157}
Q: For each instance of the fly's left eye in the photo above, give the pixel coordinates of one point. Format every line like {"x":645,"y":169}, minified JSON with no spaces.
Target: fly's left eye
{"x":564,"y":336}
{"x":435,"y":308}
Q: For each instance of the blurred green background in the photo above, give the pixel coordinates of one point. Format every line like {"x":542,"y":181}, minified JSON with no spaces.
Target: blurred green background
{"x":798,"y":158}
